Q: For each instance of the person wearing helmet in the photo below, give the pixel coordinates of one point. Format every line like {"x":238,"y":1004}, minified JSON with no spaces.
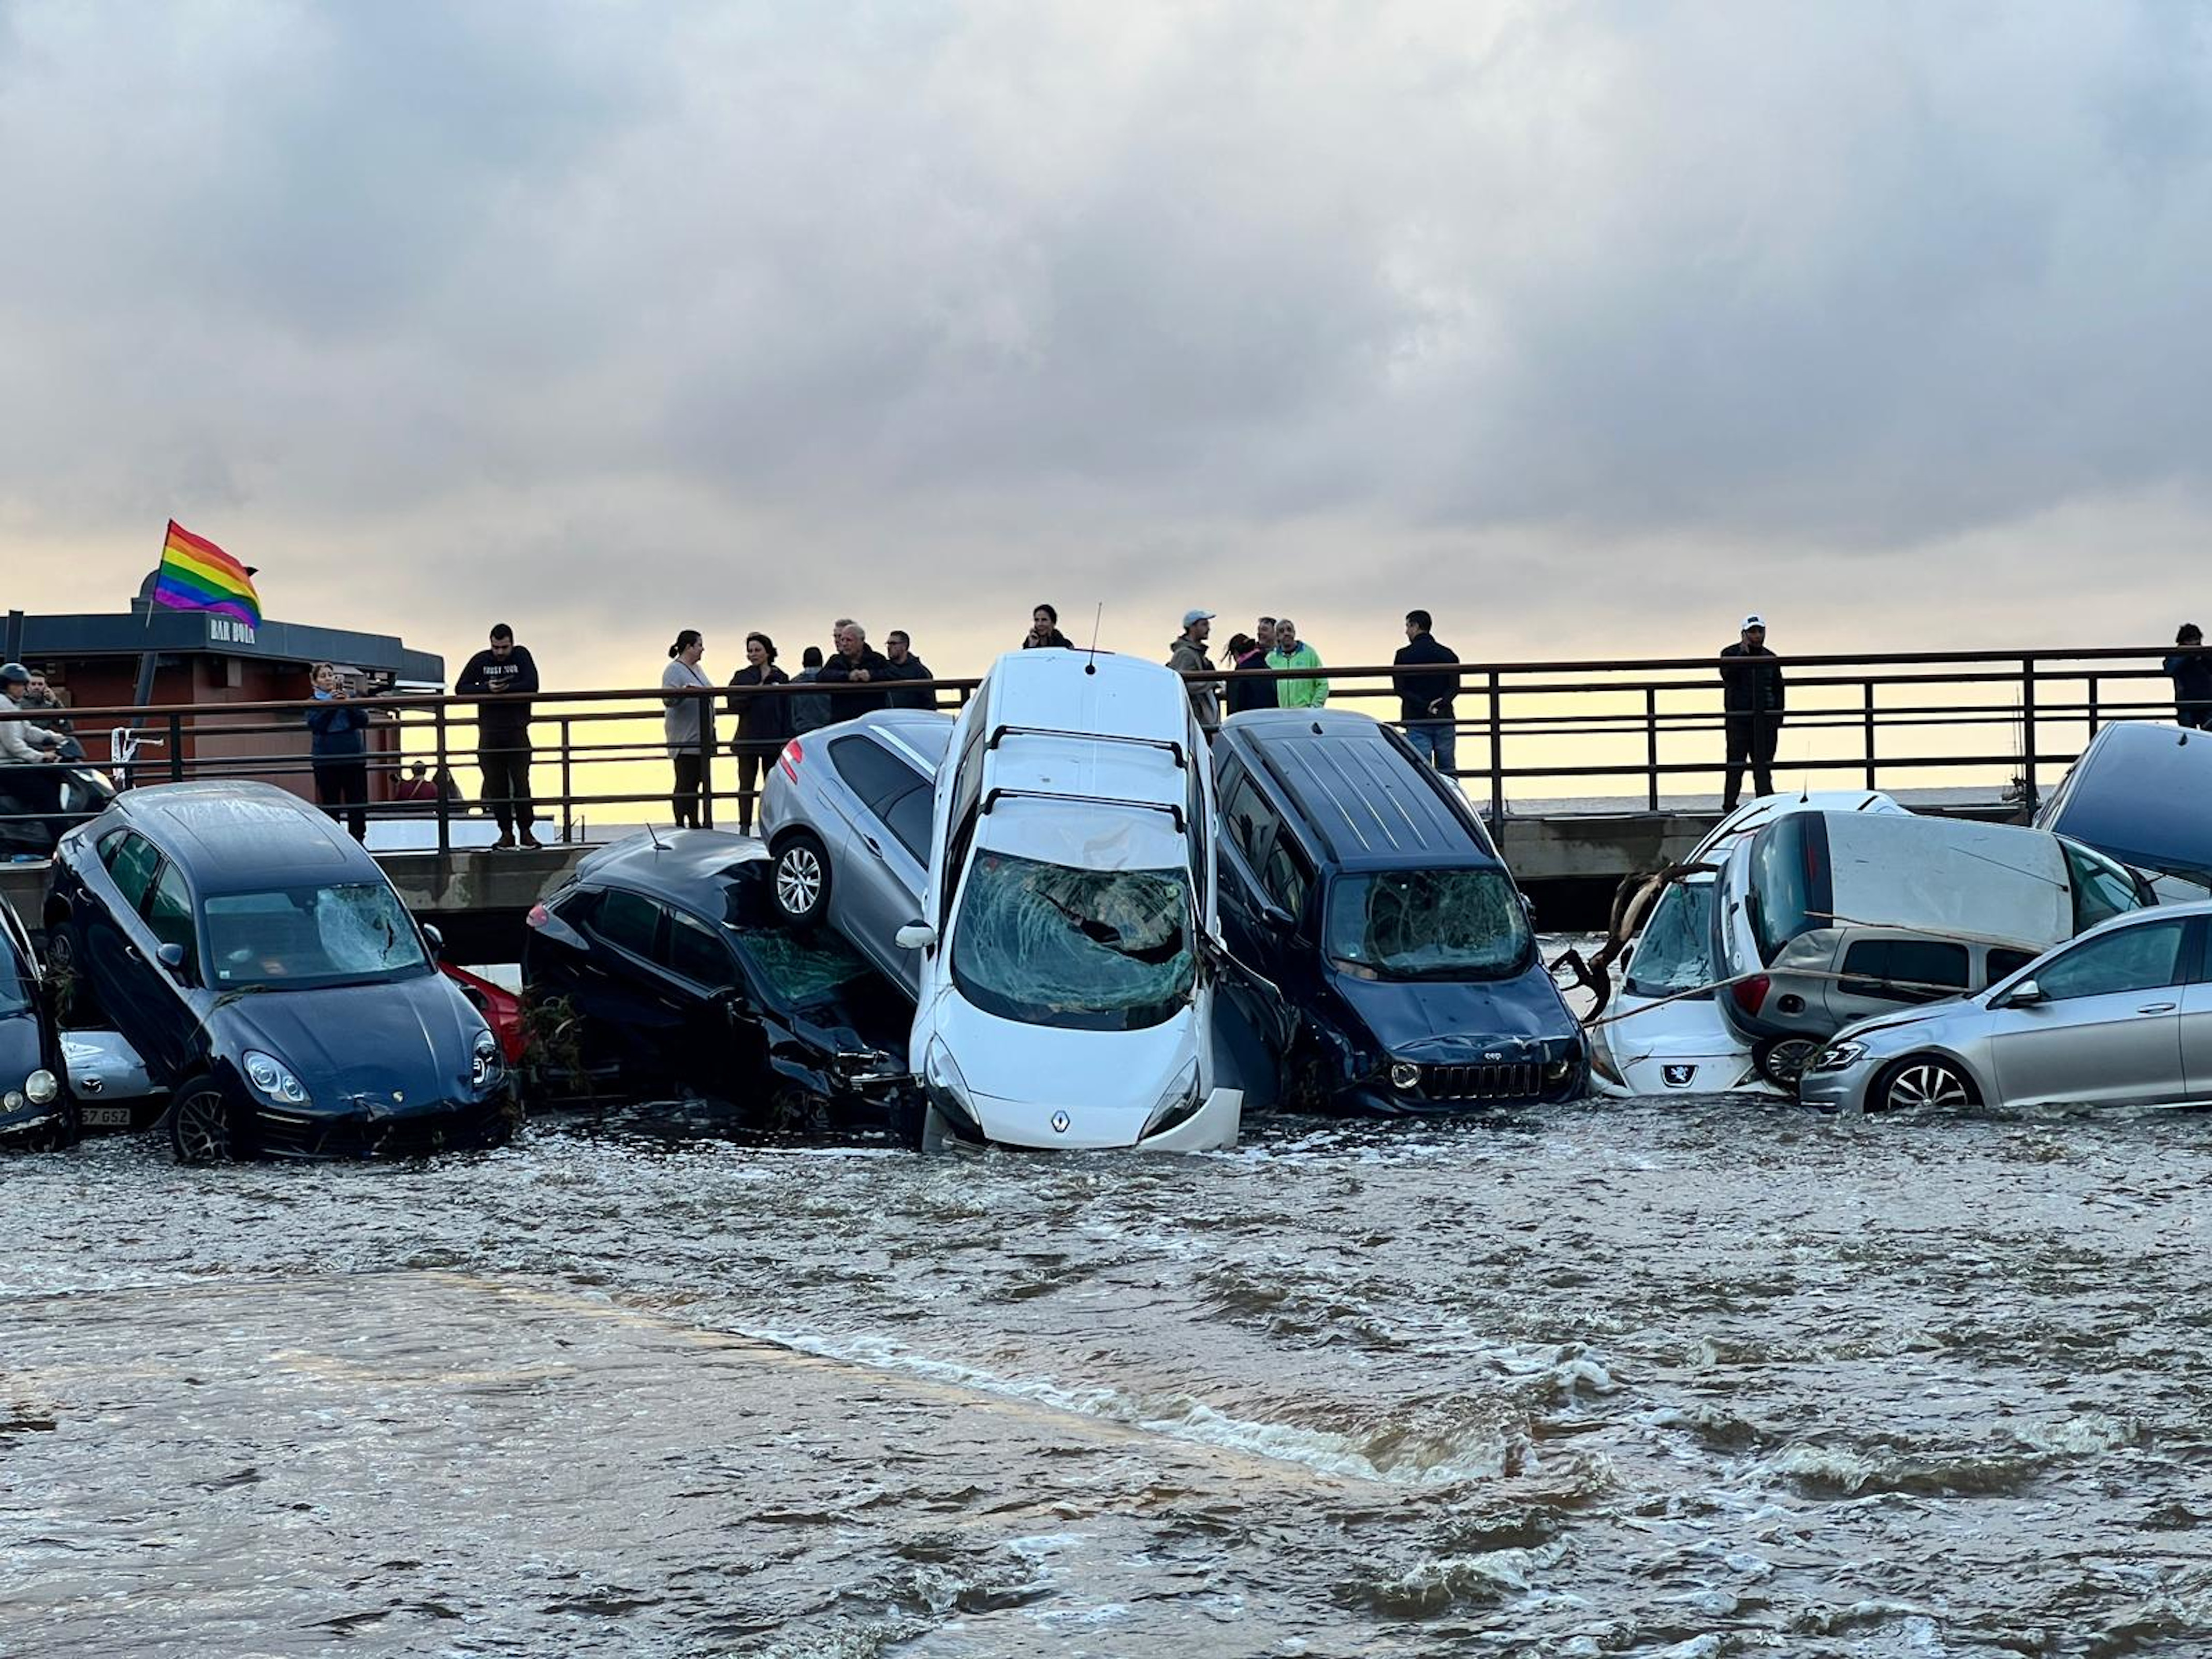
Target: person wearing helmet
{"x":20,"y":740}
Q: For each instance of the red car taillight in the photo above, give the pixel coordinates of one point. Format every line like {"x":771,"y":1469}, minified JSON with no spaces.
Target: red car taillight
{"x":1750,"y":993}
{"x":538,"y":916}
{"x":792,"y":754}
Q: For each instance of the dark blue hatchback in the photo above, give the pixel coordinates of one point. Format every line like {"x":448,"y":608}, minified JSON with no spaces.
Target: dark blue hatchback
{"x":1359,"y":880}
{"x":260,"y":963}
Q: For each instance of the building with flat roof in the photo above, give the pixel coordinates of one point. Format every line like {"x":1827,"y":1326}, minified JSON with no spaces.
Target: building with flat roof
{"x":198,"y":659}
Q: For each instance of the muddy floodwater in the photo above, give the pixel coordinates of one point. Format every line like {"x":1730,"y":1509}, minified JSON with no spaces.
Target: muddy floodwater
{"x":1665,"y":1378}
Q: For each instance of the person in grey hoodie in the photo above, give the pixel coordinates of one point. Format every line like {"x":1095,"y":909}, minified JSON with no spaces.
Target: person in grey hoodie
{"x":812,"y":709}
{"x":1187,"y":656}
{"x":688,"y":724}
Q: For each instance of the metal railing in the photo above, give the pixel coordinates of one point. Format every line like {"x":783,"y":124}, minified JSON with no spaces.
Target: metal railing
{"x":1636,"y":730}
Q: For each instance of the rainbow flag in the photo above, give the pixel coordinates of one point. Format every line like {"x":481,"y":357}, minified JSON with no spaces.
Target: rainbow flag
{"x":197,"y":575}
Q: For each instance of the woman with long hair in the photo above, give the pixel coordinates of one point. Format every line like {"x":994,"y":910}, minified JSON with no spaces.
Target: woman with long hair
{"x":338,"y":750}
{"x":687,"y":722}
{"x":764,"y":723}
{"x":1044,"y":629}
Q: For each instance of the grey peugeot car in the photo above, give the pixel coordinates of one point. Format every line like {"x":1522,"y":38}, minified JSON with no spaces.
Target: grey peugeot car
{"x":845,"y":814}
{"x":2121,"y":1016}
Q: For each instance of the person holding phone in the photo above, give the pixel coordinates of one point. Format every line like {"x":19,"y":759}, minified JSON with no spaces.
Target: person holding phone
{"x":338,"y":752}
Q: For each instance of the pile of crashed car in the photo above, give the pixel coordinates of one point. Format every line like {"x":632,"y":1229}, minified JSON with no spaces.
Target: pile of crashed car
{"x":1066,"y":918}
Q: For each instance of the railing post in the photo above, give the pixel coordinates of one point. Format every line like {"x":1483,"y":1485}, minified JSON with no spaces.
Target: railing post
{"x":1869,"y":689}
{"x":1496,"y":754}
{"x":568,"y":786}
{"x":176,"y":748}
{"x":440,"y":772}
{"x":2093,"y":705}
{"x":1651,"y":745}
{"x":2027,"y":793}
{"x":706,"y":761}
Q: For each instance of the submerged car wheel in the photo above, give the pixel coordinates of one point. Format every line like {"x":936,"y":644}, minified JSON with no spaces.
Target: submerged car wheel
{"x":1923,"y":1082}
{"x":1781,"y":1060}
{"x":199,"y":1125}
{"x":802,"y":880}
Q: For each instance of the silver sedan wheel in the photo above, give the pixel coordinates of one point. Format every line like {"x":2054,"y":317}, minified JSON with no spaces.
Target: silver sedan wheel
{"x":1925,"y":1083}
{"x":798,"y":880}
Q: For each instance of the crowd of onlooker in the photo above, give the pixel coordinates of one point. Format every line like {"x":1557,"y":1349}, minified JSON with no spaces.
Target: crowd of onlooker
{"x":1272,"y":666}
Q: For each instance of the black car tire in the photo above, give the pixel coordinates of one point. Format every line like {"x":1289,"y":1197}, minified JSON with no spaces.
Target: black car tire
{"x":1923,"y":1083}
{"x":201,"y":1124}
{"x":799,"y":880}
{"x":1781,"y":1060}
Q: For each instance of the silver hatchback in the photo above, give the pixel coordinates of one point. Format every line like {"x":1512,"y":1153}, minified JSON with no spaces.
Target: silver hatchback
{"x":2119,"y":1017}
{"x":845,"y":814}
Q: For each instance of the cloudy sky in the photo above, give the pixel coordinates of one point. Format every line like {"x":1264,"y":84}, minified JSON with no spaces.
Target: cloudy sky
{"x":1585,"y":325}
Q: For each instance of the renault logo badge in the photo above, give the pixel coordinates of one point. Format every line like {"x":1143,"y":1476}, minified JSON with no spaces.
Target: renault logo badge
{"x":1678,"y":1077}
{"x":1059,"y":1123}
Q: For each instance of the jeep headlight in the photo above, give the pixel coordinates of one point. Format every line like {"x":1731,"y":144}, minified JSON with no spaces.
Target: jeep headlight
{"x":1405,"y":1075}
{"x":40,"y":1088}
{"x":1178,"y":1103}
{"x":1837,"y":1056}
{"x":485,"y":1063}
{"x":273,"y":1081}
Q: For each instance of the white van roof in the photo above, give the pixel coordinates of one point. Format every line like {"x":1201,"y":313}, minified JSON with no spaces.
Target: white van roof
{"x":1111,"y":733}
{"x":1990,"y":880}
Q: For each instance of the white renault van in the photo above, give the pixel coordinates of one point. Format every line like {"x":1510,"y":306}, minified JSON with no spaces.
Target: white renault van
{"x":1069,"y":944}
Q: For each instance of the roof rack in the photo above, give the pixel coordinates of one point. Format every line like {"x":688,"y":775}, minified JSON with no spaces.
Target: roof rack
{"x":1168,"y":743}
{"x":1168,"y":807}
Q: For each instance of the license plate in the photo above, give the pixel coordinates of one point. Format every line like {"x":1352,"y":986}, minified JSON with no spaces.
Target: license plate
{"x":105,"y":1117}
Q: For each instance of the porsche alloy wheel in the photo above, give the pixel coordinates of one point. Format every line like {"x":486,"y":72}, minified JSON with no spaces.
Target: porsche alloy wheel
{"x":1925,"y":1083}
{"x":199,"y":1125}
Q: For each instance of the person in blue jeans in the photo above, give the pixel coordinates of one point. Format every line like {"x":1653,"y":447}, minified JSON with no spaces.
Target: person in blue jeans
{"x":338,"y":749}
{"x":1425,"y":696}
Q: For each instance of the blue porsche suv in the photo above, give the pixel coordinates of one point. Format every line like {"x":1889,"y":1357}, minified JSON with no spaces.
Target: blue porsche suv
{"x":261,"y":964}
{"x":1358,"y":880}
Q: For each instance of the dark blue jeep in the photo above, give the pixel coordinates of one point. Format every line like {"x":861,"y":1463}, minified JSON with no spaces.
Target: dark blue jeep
{"x":1358,"y":879}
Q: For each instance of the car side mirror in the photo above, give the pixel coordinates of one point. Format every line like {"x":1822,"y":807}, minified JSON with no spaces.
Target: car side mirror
{"x":1528,"y":905}
{"x":171,"y":956}
{"x":917,"y":936}
{"x":2026,"y":992}
{"x":435,"y":939}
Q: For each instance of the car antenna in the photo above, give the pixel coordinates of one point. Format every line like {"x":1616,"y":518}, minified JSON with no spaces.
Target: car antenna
{"x":1092,"y":667}
{"x":657,"y":845}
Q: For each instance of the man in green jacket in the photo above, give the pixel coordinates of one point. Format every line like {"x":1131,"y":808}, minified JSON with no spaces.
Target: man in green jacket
{"x":1292,"y":652}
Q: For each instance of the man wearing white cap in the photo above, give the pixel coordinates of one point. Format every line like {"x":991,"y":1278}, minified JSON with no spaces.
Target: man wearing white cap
{"x":1751,"y":696}
{"x":1187,"y":656}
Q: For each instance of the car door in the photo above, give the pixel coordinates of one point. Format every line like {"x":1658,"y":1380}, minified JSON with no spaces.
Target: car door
{"x":700,"y":988}
{"x":168,"y":1035}
{"x":878,"y":887}
{"x":1248,"y":823}
{"x":2195,"y":1019}
{"x":1880,"y":973}
{"x":2106,"y":1028}
{"x":629,"y":1022}
{"x":114,"y":936}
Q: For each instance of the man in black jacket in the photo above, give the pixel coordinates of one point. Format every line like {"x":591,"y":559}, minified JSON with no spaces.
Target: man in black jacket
{"x":1424,"y":701}
{"x":901,"y":664}
{"x":507,"y":673}
{"x":1751,"y":697}
{"x":855,"y":665}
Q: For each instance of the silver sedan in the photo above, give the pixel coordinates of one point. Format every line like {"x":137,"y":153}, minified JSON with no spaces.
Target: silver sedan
{"x":2120,"y":1017}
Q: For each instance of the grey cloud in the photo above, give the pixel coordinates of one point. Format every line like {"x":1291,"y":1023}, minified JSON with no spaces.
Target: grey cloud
{"x":1047,"y":290}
